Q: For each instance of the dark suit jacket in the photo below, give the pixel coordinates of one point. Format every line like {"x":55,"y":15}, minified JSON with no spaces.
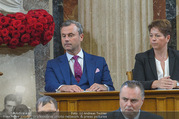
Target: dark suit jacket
{"x":118,"y":115}
{"x":145,"y":67}
{"x":58,"y":72}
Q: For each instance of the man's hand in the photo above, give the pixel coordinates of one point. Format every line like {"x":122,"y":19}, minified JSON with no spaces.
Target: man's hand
{"x":97,"y":87}
{"x":70,"y":88}
{"x":164,"y":83}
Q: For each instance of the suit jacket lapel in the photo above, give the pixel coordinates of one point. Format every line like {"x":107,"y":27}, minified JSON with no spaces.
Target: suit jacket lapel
{"x":90,"y":67}
{"x":171,"y":61}
{"x":152,"y":63}
{"x":118,"y":114}
{"x":65,"y":68}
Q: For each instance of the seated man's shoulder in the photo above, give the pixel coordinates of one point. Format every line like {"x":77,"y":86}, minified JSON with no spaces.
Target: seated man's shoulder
{"x":149,"y":115}
{"x":57,"y":59}
{"x":95,"y":56}
{"x":112,"y":115}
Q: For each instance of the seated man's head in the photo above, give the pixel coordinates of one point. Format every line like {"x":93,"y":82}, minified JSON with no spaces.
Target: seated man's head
{"x":10,"y":101}
{"x":46,"y":105}
{"x":131,"y":98}
{"x":21,"y":111}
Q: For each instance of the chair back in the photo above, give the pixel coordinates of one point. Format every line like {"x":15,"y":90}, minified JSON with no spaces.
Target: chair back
{"x":129,"y":75}
{"x":1,"y":73}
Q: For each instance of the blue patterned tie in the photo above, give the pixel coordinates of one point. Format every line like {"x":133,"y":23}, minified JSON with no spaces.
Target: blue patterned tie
{"x":77,"y":69}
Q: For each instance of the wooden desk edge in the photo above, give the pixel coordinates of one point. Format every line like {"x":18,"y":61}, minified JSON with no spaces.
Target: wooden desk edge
{"x":107,"y":93}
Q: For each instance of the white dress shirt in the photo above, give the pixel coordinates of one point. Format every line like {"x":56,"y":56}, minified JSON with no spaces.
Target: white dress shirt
{"x":71,"y":61}
{"x":160,"y":72}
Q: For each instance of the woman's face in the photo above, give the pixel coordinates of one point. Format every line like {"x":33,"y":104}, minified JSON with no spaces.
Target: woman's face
{"x":157,"y":40}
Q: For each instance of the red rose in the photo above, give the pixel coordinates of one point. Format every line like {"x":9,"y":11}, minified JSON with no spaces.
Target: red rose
{"x":14,"y":41}
{"x":31,"y":21}
{"x":46,"y":26}
{"x":16,"y":34}
{"x":36,"y":33}
{"x":32,"y":13}
{"x":4,"y":21}
{"x":20,"y":16}
{"x":21,"y":28}
{"x":28,"y":16}
{"x":12,"y":16}
{"x":16,"y":23}
{"x":42,"y":19}
{"x":48,"y":35}
{"x":34,"y":41}
{"x":29,"y":28}
{"x":10,"y":29}
{"x":4,"y":32}
{"x":38,"y":26}
{"x":49,"y":19}
{"x":25,"y":38}
{"x":7,"y":39}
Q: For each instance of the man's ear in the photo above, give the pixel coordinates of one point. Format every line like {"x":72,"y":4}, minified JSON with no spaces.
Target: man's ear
{"x":143,"y":100}
{"x":81,"y":36}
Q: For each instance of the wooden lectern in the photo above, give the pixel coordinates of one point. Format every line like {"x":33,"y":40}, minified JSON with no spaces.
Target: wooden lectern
{"x":155,"y":101}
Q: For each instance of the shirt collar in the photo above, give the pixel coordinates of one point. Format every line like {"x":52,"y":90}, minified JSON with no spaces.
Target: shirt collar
{"x":80,"y":54}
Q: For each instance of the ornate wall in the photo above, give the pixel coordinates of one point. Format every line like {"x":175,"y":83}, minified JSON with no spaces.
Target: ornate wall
{"x":24,"y":68}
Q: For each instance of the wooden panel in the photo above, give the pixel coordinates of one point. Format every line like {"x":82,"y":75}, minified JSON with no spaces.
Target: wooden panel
{"x":98,"y":105}
{"x":161,"y":104}
{"x":149,"y":105}
{"x":170,"y":104}
{"x":72,"y":105}
{"x":63,"y":106}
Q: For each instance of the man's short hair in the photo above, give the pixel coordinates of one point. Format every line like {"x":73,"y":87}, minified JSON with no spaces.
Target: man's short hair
{"x":133,"y":84}
{"x":44,"y":100}
{"x":21,"y":110}
{"x":69,"y":22}
{"x":10,"y":97}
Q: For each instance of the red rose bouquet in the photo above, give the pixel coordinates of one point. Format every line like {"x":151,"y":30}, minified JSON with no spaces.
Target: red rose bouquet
{"x":33,"y":28}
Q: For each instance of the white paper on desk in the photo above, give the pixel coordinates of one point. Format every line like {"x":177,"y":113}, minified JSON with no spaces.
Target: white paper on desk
{"x":86,"y":91}
{"x":166,"y":89}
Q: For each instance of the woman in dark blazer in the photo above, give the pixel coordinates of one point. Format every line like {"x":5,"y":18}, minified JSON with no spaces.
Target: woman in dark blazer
{"x":158,"y":68}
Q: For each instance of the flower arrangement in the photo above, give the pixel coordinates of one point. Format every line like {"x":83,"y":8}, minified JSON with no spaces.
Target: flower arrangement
{"x":33,"y":28}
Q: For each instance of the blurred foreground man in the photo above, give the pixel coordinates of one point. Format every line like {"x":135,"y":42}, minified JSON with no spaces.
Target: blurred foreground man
{"x":47,"y":108}
{"x":131,"y":100}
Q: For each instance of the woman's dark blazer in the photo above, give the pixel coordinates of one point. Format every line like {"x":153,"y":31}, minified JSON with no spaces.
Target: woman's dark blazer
{"x":145,"y":67}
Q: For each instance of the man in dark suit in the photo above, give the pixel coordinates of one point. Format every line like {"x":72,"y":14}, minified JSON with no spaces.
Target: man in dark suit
{"x":131,"y":100}
{"x":84,"y":73}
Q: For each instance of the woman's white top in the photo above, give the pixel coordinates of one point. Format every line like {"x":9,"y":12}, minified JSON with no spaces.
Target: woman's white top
{"x":160,"y":72}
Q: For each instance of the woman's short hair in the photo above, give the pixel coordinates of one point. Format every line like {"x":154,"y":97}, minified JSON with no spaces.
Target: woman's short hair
{"x":163,"y":25}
